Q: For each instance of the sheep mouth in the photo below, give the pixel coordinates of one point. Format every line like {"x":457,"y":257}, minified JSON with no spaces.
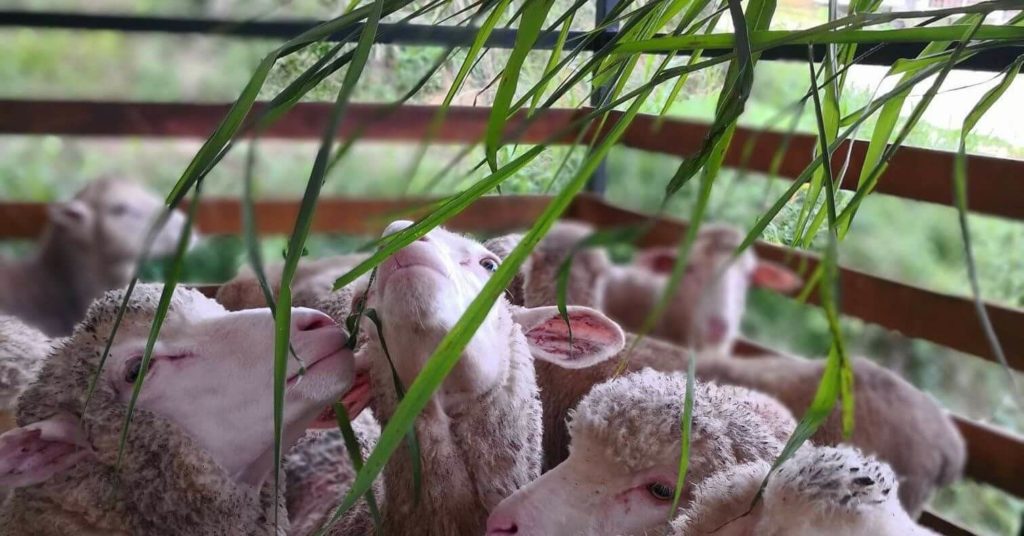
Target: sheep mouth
{"x":316,"y":362}
{"x":355,"y":401}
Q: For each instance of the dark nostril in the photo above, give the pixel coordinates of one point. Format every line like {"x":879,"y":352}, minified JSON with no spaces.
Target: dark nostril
{"x":502,"y":526}
{"x":311,"y":322}
{"x":423,"y":238}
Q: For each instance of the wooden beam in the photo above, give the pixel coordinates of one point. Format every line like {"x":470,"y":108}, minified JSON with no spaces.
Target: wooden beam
{"x":995,"y":185}
{"x":491,"y":214}
{"x":306,"y":121}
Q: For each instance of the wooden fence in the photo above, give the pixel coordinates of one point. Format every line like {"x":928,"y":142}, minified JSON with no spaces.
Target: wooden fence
{"x":996,"y":187}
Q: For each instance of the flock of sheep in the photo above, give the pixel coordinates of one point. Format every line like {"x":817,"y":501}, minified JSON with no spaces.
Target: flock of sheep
{"x":534,"y":431}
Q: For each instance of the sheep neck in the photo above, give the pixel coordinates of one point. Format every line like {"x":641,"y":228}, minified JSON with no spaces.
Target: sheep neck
{"x":56,"y":286}
{"x":473,"y":453}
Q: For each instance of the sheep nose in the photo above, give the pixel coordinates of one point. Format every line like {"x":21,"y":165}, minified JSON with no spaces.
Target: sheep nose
{"x":499,"y":524}
{"x":396,"y":226}
{"x":309,"y":320}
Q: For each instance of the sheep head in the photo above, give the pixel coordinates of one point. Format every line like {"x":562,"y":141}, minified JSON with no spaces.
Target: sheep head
{"x":210,"y":381}
{"x":709,"y":303}
{"x":620,"y":476}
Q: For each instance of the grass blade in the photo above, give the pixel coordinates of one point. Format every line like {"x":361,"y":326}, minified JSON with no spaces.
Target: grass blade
{"x":685,"y":425}
{"x":355,"y":454}
{"x":170,"y":282}
{"x":303,"y":223}
{"x":960,"y":195}
{"x":534,"y":14}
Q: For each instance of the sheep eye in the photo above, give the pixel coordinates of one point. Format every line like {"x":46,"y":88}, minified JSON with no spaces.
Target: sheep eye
{"x":660,"y":491}
{"x":119,"y":209}
{"x":133,"y":369}
{"x":489,"y":264}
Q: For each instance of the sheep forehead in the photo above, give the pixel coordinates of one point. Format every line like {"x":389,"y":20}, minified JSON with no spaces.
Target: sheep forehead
{"x":638,"y":417}
{"x":141,"y":309}
{"x":108,"y":191}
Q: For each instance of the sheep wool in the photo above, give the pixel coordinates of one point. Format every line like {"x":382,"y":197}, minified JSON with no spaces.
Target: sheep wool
{"x":165,"y":485}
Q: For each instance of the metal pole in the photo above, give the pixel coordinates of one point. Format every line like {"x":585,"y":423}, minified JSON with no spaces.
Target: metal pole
{"x":598,"y":182}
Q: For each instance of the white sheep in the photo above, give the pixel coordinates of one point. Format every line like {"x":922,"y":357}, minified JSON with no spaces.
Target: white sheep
{"x":920,"y":441}
{"x":708,"y":306}
{"x":22,"y":350}
{"x":314,"y":280}
{"x":620,"y":476}
{"x":198,"y":457}
{"x":706,"y":310}
{"x":480,"y":433}
{"x":90,"y":245}
{"x":820,"y":490}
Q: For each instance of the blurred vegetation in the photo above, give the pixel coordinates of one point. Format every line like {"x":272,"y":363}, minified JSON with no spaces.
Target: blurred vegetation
{"x":903,"y":240}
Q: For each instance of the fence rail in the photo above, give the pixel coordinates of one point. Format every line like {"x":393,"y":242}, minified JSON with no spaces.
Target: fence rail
{"x":996,"y":185}
{"x":437,"y":35}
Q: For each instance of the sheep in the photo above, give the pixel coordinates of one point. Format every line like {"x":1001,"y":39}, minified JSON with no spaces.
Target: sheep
{"x":480,"y":431}
{"x":620,"y":477}
{"x":314,"y":280}
{"x":708,"y":305}
{"x":22,"y":350}
{"x":920,"y":441}
{"x":198,"y":457}
{"x":894,"y":421}
{"x":820,"y":490}
{"x":706,"y":310}
{"x":90,"y":245}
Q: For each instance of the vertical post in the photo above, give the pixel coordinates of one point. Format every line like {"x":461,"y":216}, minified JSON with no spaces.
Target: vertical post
{"x":598,"y":182}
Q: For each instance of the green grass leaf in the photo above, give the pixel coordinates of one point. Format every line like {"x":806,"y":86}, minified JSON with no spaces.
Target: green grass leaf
{"x":171,"y":278}
{"x":960,"y":196}
{"x":685,"y":428}
{"x":355,"y":454}
{"x":534,"y":14}
{"x":303,"y":223}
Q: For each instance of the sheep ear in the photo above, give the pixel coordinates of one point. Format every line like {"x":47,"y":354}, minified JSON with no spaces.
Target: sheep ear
{"x":657,"y":260}
{"x":69,"y":214}
{"x":595,"y":337}
{"x":775,"y":276}
{"x":32,"y":454}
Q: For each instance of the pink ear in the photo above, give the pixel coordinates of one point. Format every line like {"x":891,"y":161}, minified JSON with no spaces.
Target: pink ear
{"x":775,"y":276}
{"x":595,"y":338}
{"x":657,"y":260}
{"x":31,"y":454}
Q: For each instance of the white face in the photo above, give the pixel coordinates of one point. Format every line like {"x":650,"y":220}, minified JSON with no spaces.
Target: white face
{"x":589,"y":494}
{"x":114,"y":216}
{"x":422,"y":290}
{"x":212,"y":374}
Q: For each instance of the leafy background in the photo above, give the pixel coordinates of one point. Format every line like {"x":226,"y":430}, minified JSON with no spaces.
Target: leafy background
{"x":895,"y":238}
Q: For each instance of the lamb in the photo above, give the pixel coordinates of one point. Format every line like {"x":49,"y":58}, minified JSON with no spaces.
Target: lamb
{"x":706,"y":310}
{"x":313,"y":281}
{"x":820,"y":490}
{"x":198,"y":457}
{"x":480,"y":432}
{"x":620,"y":477}
{"x":22,"y":350}
{"x":91,"y":245}
{"x":708,"y":306}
